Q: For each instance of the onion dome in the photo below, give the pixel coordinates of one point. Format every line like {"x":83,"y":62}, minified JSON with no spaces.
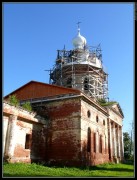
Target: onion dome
{"x":79,"y":41}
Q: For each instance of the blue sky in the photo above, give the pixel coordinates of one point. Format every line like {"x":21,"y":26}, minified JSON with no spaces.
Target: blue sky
{"x":32,"y":33}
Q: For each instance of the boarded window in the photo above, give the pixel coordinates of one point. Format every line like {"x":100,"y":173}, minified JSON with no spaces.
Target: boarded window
{"x":89,"y":140}
{"x":28,"y":141}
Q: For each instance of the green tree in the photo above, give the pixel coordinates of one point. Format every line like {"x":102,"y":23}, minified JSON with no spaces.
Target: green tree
{"x":127,"y":145}
{"x":132,"y":140}
{"x":13,"y":100}
{"x":27,"y":106}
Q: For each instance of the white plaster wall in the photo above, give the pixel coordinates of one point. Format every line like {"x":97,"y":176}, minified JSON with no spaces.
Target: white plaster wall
{"x":116,"y":118}
{"x":5,"y":127}
{"x":16,"y":124}
{"x":11,"y":135}
{"x":21,"y":136}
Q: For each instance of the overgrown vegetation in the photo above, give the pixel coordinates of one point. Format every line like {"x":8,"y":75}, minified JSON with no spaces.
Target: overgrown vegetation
{"x":103,"y":102}
{"x":27,"y":106}
{"x":13,"y":100}
{"x":37,"y":170}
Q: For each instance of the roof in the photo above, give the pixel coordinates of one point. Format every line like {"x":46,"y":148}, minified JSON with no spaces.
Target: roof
{"x":116,"y":107}
{"x":35,"y":89}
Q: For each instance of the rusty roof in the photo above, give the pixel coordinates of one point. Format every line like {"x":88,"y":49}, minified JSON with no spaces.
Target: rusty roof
{"x":34,"y":89}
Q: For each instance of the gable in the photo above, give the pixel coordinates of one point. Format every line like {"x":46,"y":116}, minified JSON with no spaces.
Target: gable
{"x":35,"y":89}
{"x":116,"y":107}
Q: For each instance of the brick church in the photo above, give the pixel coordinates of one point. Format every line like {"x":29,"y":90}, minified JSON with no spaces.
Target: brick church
{"x":68,"y":125}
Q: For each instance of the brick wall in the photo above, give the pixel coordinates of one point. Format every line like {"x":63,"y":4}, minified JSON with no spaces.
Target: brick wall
{"x":94,"y":120}
{"x":21,"y":134}
{"x":63,"y":131}
{"x":67,"y":131}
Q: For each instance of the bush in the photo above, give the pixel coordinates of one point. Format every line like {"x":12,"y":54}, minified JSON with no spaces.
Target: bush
{"x":27,"y":106}
{"x":13,"y":100}
{"x":103,"y":102}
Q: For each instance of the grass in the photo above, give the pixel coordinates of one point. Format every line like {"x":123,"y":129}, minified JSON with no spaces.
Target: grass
{"x":37,"y":170}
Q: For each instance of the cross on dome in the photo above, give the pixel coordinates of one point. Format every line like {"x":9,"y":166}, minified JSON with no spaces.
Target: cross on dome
{"x":78,"y":28}
{"x":79,"y":41}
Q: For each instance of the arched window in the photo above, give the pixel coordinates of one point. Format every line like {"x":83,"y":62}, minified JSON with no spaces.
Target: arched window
{"x":94,"y":140}
{"x":88,"y":113}
{"x":105,"y":145}
{"x":100,"y":143}
{"x":86,"y":83}
{"x":89,"y":140}
{"x":96,"y":118}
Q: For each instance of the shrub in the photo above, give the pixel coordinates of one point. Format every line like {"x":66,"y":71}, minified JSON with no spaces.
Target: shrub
{"x":103,"y":102}
{"x":13,"y":100}
{"x":27,"y":106}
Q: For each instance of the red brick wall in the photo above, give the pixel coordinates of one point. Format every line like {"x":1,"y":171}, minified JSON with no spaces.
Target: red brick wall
{"x":97,"y":157}
{"x":63,"y":132}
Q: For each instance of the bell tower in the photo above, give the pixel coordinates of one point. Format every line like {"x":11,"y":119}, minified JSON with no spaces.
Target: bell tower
{"x":81,"y":68}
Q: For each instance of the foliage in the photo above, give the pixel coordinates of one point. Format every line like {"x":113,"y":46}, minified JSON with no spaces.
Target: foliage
{"x":103,"y":102}
{"x":128,"y":145}
{"x":27,"y":106}
{"x":13,"y":100}
{"x":37,"y":170}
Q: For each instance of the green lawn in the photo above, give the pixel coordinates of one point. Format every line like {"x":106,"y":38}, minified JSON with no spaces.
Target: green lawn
{"x":33,"y":170}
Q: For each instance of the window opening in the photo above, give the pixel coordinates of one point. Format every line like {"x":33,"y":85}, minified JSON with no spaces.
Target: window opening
{"x":89,"y":140}
{"x":28,"y":141}
{"x":94,"y":142}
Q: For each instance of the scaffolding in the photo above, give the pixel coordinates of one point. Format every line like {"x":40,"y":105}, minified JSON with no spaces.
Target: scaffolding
{"x":81,"y":69}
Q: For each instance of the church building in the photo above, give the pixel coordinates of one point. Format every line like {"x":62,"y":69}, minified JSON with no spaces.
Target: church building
{"x":73,"y":123}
